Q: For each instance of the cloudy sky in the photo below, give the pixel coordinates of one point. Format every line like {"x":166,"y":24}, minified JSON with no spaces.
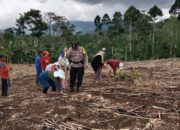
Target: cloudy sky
{"x":85,"y":10}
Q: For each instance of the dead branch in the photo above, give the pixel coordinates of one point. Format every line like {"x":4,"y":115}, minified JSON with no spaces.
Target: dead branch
{"x":136,"y":108}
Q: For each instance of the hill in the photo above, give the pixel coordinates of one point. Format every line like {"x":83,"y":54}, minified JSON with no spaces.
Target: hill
{"x":84,"y":27}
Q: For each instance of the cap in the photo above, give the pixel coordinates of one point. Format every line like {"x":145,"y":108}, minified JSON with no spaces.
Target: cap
{"x":121,"y":65}
{"x":60,"y":74}
{"x":104,"y":49}
{"x":45,"y":53}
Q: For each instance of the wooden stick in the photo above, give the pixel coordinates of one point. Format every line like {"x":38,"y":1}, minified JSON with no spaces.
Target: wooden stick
{"x":140,"y":117}
{"x":136,"y":108}
{"x":159,"y":114}
{"x":160,"y":108}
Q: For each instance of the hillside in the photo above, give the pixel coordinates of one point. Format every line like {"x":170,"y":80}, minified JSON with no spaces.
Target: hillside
{"x":84,"y":27}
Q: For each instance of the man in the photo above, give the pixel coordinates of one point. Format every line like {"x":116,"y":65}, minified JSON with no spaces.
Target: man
{"x":78,"y":59}
{"x":38,"y":66}
{"x":53,"y":79}
{"x":114,"y":64}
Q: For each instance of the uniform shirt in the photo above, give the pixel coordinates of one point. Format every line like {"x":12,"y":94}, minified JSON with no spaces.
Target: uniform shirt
{"x":4,"y":70}
{"x":77,"y":57}
{"x":44,"y":62}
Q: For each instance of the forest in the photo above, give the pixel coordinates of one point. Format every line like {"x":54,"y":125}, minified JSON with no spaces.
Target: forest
{"x":134,"y":35}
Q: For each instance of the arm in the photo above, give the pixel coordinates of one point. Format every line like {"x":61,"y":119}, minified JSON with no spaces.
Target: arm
{"x":85,"y":57}
{"x":68,"y":53}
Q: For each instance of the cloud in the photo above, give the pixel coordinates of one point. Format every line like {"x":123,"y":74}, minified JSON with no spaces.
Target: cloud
{"x":85,"y":10}
{"x":127,"y":2}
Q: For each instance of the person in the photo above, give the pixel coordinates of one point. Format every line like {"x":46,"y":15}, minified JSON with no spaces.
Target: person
{"x":53,"y":79}
{"x":114,"y":64}
{"x":64,"y":65}
{"x":97,"y":64}
{"x":79,"y":61}
{"x":63,"y":60}
{"x":52,"y":67}
{"x":38,"y":66}
{"x":45,"y":60}
{"x":4,"y":74}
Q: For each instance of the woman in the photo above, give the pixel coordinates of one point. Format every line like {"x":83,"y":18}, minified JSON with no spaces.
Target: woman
{"x":53,"y":79}
{"x":97,"y":64}
{"x":64,"y":65}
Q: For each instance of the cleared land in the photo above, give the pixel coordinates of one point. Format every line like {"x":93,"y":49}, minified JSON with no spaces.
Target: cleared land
{"x":151,"y":102}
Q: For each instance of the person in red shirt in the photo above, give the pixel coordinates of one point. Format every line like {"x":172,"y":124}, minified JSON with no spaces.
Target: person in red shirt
{"x":114,"y":64}
{"x":45,"y":60}
{"x":4,"y":74}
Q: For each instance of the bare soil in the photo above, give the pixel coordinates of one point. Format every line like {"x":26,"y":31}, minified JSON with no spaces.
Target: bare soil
{"x":151,"y":102}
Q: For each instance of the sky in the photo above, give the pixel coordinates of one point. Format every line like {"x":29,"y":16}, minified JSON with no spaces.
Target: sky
{"x":75,"y":10}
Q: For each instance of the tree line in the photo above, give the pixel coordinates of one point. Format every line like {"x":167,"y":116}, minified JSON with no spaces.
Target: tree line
{"x":134,"y":35}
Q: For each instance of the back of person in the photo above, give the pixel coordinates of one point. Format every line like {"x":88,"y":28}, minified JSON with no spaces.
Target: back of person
{"x":97,"y":62}
{"x":113,"y":63}
{"x":52,"y":67}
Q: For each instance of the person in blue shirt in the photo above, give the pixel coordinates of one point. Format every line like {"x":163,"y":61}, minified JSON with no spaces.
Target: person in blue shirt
{"x":38,"y":66}
{"x":53,"y":79}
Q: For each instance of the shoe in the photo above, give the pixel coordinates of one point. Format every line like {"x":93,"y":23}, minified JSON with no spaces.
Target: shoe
{"x":44,"y":91}
{"x":78,"y":89}
{"x":71,"y":90}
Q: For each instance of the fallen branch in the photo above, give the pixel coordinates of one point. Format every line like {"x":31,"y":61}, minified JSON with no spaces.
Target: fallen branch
{"x":139,"y":117}
{"x":160,"y":108}
{"x":136,"y":108}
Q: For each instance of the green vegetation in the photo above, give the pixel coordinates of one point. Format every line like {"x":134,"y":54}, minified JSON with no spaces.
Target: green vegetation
{"x":135,"y":35}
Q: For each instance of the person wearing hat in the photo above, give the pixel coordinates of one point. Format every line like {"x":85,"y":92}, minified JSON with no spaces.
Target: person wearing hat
{"x":53,"y":79}
{"x":64,"y":65}
{"x":114,"y":64}
{"x":97,"y":64}
{"x":79,"y":60}
{"x":45,"y":60}
{"x":4,"y":75}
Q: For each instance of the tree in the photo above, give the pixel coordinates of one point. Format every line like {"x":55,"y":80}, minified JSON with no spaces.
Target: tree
{"x":154,"y":12}
{"x":117,"y":22}
{"x":21,"y":27}
{"x":175,"y":9}
{"x":31,"y":20}
{"x":131,"y":16}
{"x":106,"y":19}
{"x":49,"y":19}
{"x":97,"y":23}
{"x":170,"y":31}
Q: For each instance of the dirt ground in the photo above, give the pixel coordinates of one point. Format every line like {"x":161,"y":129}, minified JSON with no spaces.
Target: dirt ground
{"x":151,"y":102}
